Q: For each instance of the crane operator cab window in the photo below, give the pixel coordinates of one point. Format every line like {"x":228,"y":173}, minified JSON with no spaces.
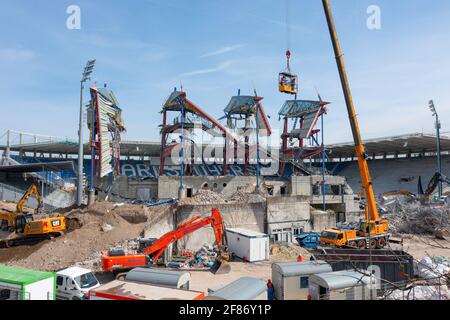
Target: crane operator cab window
{"x":288,"y":83}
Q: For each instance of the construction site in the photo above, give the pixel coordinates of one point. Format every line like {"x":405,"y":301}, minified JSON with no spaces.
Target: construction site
{"x":224,"y":205}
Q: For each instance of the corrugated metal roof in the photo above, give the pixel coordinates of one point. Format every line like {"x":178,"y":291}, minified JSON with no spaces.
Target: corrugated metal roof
{"x":22,"y":276}
{"x":291,"y":269}
{"x":247,"y":233}
{"x":340,"y":279}
{"x":245,"y":288}
{"x":159,"y":276}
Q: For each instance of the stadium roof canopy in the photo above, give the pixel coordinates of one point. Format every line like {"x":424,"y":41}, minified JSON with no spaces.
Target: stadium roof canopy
{"x":132,"y":148}
{"x":404,"y":144}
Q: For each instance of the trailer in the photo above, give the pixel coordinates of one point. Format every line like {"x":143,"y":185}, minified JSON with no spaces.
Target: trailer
{"x":291,"y":279}
{"x":245,"y":288}
{"x":160,"y":277}
{"x":24,"y":284}
{"x":248,"y":245}
{"x":130,"y":290}
{"x":341,"y":285}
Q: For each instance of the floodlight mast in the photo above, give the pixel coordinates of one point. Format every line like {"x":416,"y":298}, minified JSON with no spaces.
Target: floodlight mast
{"x":85,"y":77}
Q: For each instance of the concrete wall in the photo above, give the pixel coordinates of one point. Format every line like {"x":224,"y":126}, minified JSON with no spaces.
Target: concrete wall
{"x":168,"y":186}
{"x":396,"y":174}
{"x":127,"y":188}
{"x":288,"y":212}
{"x":322,"y":220}
{"x":249,"y":216}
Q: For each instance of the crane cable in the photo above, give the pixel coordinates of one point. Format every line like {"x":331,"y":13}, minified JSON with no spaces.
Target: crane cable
{"x":288,"y":35}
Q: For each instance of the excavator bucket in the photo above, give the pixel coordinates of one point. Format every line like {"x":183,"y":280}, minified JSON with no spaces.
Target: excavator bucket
{"x":221,"y":266}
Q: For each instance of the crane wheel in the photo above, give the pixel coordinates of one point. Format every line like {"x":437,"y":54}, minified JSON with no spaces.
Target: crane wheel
{"x":362,"y":244}
{"x":353,"y":244}
{"x":381,"y":243}
{"x":373,"y":244}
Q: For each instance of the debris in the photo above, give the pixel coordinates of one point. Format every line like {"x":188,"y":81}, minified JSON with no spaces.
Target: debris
{"x":106,"y":227}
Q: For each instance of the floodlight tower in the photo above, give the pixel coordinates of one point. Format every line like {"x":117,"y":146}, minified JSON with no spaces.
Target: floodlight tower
{"x":85,"y":77}
{"x":438,"y":137}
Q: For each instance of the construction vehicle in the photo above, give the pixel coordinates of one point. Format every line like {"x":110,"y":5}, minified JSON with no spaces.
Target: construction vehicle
{"x":373,"y":232}
{"x":25,"y":230}
{"x":432,"y":185}
{"x":119,"y":262}
{"x":8,"y":219}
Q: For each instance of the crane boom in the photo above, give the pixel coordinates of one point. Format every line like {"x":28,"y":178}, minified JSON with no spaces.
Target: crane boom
{"x":32,"y":190}
{"x":359,"y":147}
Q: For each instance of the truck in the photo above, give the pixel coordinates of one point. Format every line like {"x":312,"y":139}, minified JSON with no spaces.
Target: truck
{"x":74,"y":283}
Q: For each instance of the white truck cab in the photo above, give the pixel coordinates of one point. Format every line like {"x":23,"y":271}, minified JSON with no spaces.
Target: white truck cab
{"x":74,"y":283}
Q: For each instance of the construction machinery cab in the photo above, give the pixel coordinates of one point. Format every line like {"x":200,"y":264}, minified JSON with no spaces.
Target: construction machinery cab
{"x":23,"y":220}
{"x":287,"y":81}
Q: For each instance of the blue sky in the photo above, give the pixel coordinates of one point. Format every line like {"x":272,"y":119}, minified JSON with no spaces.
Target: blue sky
{"x":145,"y":48}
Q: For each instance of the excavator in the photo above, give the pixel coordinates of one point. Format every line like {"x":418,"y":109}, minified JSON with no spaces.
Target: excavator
{"x":8,"y":219}
{"x":432,"y":185}
{"x":24,"y":229}
{"x":117,"y":261}
{"x":373,"y":232}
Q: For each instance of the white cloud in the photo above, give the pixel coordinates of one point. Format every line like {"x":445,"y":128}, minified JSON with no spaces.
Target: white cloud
{"x":9,"y":54}
{"x":222,"y":50}
{"x":221,"y":67}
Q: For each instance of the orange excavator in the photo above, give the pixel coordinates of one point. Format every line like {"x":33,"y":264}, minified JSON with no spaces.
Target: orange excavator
{"x":117,"y":261}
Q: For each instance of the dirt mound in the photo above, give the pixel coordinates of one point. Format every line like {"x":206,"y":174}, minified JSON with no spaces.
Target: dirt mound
{"x":103,"y":225}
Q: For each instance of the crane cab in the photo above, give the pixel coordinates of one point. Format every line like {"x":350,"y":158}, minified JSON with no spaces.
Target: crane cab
{"x":288,"y":83}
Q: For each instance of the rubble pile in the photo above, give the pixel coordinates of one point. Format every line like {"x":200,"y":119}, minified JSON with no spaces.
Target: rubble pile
{"x":103,"y":225}
{"x":288,"y":251}
{"x":204,"y":197}
{"x":407,"y":215}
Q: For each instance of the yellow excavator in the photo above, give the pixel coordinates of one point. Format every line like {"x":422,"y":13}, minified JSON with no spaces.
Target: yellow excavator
{"x":24,"y":229}
{"x":373,"y":232}
{"x":8,"y":219}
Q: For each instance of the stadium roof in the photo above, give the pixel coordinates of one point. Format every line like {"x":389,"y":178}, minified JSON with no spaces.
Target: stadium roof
{"x":404,"y":144}
{"x":132,"y":148}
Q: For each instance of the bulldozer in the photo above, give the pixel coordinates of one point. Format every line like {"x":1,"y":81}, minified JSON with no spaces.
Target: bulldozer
{"x":25,"y":230}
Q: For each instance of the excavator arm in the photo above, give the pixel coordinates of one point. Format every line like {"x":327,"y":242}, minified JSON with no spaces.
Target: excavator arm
{"x":32,"y":190}
{"x":188,"y":227}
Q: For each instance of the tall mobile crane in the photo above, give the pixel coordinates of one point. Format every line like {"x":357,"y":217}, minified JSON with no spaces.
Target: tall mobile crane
{"x":373,"y":232}
{"x":119,"y":262}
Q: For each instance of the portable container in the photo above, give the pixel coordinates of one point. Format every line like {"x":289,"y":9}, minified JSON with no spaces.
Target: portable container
{"x":341,"y":285}
{"x":291,"y":279}
{"x":24,"y":284}
{"x":246,"y":288}
{"x":248,"y":245}
{"x":160,"y":277}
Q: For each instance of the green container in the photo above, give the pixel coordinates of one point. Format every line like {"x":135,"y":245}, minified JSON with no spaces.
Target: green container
{"x":25,"y":284}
